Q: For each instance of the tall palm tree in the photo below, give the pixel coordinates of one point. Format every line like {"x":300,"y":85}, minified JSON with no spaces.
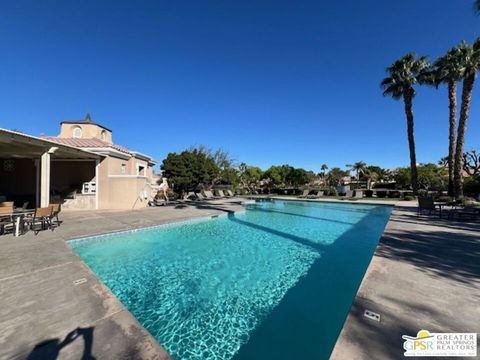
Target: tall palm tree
{"x":359,"y":168}
{"x":404,"y":74}
{"x":470,"y":63}
{"x":447,"y":69}
{"x":324,"y":169}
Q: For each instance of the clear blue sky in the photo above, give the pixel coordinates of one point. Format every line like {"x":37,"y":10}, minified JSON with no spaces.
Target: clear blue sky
{"x":271,"y":82}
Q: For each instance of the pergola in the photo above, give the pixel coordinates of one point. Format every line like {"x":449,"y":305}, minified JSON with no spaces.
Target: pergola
{"x":16,"y":146}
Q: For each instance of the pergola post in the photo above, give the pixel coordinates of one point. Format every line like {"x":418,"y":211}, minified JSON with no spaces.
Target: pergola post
{"x":45,"y":177}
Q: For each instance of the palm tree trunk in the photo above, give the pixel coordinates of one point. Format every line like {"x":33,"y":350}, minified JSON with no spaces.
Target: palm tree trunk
{"x":462,"y":128}
{"x":407,"y":98}
{"x":452,"y":98}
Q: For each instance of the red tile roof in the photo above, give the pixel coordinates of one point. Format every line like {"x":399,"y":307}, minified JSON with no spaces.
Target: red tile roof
{"x":87,"y":143}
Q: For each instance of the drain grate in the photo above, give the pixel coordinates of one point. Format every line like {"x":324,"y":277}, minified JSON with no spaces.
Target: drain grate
{"x":371,"y":315}
{"x":80,"y":281}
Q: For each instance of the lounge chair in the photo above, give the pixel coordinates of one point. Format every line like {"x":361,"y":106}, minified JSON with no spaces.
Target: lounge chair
{"x":209,"y":195}
{"x":358,"y":194}
{"x":316,"y":195}
{"x":230,"y":193}
{"x":220,"y":193}
{"x":200,"y":196}
{"x":348,"y":195}
{"x":304,"y":194}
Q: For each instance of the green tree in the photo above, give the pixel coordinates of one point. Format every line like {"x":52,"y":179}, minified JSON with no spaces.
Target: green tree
{"x":334,"y":176}
{"x":470,"y":62}
{"x":297,"y":177}
{"x":250,"y":176}
{"x":404,"y":74}
{"x":447,"y":69}
{"x":189,"y":169}
{"x":430,"y":177}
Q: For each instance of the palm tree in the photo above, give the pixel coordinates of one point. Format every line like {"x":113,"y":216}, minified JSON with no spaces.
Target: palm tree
{"x":359,"y":168}
{"x":470,"y":62}
{"x":404,"y":74}
{"x":324,"y":169}
{"x":447,"y":69}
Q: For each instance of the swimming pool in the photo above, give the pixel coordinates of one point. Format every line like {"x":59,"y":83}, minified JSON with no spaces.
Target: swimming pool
{"x":273,"y":282}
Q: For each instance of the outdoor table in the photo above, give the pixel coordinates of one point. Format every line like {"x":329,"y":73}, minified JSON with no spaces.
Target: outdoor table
{"x":440,"y":205}
{"x":18,"y":215}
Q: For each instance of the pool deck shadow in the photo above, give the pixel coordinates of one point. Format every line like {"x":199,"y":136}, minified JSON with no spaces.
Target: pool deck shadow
{"x":425,"y":274}
{"x":44,"y":315}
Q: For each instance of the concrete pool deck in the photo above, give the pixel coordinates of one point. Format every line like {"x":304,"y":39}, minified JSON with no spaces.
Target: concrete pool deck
{"x":424,"y":270}
{"x":44,"y":315}
{"x":425,"y":274}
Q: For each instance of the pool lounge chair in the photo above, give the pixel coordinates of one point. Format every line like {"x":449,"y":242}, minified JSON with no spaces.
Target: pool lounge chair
{"x":358,"y":194}
{"x":230,"y":193}
{"x":304,"y":194}
{"x":200,"y":196}
{"x":348,"y":195}
{"x":209,"y":195}
{"x":220,"y":193}
{"x":316,"y":195}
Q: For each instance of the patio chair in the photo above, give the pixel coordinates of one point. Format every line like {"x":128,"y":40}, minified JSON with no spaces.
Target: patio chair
{"x":6,"y":218}
{"x":56,"y":208}
{"x":426,"y":204}
{"x":43,"y":217}
{"x":230,"y":193}
{"x":190,"y":196}
{"x":220,"y":193}
{"x":304,"y":194}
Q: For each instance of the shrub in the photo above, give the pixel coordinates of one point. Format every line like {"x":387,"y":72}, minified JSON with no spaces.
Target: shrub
{"x":471,"y":186}
{"x":393,"y":194}
{"x":368,"y":193}
{"x":409,"y":198}
{"x":381,"y":194}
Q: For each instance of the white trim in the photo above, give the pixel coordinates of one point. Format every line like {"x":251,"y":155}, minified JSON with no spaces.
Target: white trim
{"x":108,"y":151}
{"x":128,"y":176}
{"x":97,"y":182}
{"x":54,"y":143}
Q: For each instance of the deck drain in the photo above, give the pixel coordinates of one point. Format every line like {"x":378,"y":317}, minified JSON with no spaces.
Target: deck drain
{"x":371,"y":315}
{"x":80,"y":281}
{"x":214,"y":216}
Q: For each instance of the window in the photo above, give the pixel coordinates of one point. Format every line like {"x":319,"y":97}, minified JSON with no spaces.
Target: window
{"x":77,"y":132}
{"x":140,"y":170}
{"x":123,"y":169}
{"x":104,"y":135}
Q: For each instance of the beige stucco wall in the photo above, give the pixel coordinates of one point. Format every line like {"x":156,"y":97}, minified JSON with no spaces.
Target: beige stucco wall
{"x":121,"y":191}
{"x":88,"y":131}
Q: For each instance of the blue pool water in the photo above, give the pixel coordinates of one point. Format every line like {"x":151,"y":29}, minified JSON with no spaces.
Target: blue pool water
{"x":273,"y":282}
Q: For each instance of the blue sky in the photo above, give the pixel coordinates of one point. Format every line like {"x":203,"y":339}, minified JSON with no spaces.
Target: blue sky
{"x":271,"y":82}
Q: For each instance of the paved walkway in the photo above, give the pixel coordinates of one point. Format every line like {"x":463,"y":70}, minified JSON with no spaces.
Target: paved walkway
{"x":425,"y":274}
{"x":44,"y":315}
